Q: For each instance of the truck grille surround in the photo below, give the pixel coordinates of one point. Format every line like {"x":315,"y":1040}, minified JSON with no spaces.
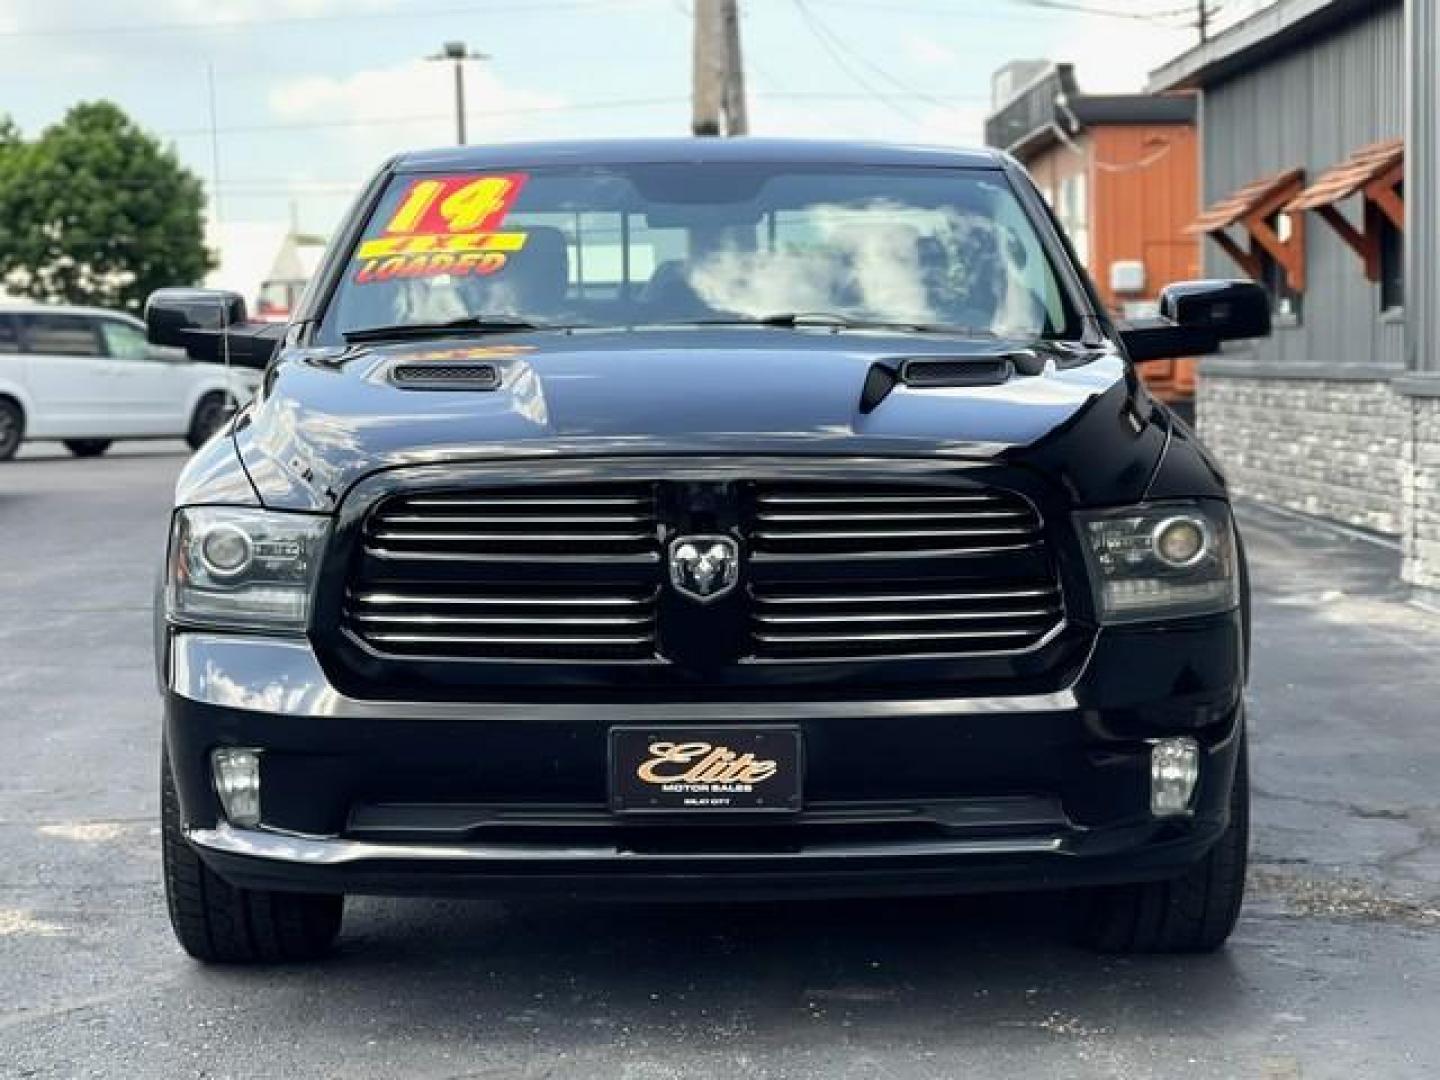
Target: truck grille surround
{"x":576,"y":574}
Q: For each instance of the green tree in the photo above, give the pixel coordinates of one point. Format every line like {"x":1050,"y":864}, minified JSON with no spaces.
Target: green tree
{"x":96,"y":211}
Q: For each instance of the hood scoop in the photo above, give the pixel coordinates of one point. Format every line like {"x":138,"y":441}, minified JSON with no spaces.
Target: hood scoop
{"x":938,"y":372}
{"x":433,"y":376}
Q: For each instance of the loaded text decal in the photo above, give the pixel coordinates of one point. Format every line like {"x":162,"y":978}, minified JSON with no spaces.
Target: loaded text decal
{"x":445,"y":225}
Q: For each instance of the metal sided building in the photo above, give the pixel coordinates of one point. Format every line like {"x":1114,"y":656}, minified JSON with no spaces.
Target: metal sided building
{"x":1317,"y":178}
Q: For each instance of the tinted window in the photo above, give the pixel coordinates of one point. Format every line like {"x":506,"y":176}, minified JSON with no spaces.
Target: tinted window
{"x":125,"y":342}
{"x":9,"y":335}
{"x":637,"y":244}
{"x":61,"y":335}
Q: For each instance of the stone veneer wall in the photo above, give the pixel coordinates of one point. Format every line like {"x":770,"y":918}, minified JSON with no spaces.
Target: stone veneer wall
{"x":1420,"y":511}
{"x":1323,"y":446}
{"x":1354,"y":451}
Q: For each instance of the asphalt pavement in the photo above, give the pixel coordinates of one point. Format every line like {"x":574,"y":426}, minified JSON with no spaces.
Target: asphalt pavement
{"x":1333,"y":972}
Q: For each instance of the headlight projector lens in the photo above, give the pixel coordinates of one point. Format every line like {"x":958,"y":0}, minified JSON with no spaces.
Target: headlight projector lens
{"x":1180,"y":542}
{"x":227,"y":550}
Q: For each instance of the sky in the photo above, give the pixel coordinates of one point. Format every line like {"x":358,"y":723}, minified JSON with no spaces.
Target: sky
{"x":309,"y":96}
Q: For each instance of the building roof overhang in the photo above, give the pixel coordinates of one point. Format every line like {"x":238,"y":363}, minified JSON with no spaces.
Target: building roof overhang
{"x":1270,"y":32}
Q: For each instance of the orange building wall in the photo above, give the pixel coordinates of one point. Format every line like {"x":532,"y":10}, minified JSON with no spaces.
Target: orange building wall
{"x":1139,"y":199}
{"x":1139,"y":213}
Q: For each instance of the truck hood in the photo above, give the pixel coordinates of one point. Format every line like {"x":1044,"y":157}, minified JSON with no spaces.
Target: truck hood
{"x":329,"y":417}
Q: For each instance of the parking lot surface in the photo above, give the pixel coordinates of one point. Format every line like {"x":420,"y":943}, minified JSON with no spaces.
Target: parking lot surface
{"x":1334,"y":971}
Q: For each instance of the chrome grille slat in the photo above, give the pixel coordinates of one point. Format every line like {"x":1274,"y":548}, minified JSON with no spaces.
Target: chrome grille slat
{"x":465,"y":502}
{"x":527,"y":537}
{"x":909,"y":636}
{"x":906,"y":598}
{"x":903,"y":617}
{"x":502,"y":620}
{"x":500,"y":601}
{"x":527,"y":519}
{"x":908,"y":515}
{"x":808,"y":500}
{"x":883,"y":534}
{"x":548,"y":641}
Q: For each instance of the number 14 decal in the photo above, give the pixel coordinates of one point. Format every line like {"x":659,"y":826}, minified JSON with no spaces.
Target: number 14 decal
{"x":455,"y":204}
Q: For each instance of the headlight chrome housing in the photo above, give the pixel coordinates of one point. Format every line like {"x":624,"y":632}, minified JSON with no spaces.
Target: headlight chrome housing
{"x":1161,"y":561}
{"x":243,"y":568}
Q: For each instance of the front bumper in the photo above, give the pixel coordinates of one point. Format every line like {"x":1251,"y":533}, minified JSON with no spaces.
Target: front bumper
{"x":917,"y":795}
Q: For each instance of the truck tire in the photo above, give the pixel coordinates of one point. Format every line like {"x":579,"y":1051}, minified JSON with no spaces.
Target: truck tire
{"x":210,"y":413}
{"x":12,"y":428}
{"x":218,"y":923}
{"x":87,"y":447}
{"x":1193,"y":913}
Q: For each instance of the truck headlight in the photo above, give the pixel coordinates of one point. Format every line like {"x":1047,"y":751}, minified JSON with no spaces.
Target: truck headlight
{"x":241,"y":568}
{"x":1161,"y":561}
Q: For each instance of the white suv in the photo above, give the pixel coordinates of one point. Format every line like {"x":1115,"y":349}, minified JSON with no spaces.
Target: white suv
{"x":87,"y":377}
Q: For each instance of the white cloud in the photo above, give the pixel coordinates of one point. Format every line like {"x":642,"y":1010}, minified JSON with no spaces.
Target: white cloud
{"x":411,"y":105}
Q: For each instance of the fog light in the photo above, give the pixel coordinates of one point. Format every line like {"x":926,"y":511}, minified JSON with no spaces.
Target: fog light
{"x":237,"y":782}
{"x":1174,"y":771}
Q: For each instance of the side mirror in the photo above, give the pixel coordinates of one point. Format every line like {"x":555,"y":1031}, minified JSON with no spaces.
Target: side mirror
{"x":208,"y":323}
{"x":1196,"y":316}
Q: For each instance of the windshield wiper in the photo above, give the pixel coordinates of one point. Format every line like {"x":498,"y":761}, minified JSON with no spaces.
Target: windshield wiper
{"x":792,"y":319}
{"x":467,"y":325}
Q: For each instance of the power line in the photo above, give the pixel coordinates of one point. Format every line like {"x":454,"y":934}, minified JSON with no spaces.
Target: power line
{"x":1110,"y":13}
{"x":903,"y":87}
{"x":819,"y":32}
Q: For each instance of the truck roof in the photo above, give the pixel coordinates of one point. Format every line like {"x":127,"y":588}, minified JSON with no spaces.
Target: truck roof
{"x":694,"y":151}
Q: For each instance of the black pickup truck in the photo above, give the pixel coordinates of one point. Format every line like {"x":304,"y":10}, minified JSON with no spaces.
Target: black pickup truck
{"x":702,"y":519}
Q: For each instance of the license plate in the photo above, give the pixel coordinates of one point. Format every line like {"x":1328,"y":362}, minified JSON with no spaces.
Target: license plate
{"x":695,"y":770}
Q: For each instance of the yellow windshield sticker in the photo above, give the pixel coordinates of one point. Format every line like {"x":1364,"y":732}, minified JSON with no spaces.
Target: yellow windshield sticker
{"x":444,"y":225}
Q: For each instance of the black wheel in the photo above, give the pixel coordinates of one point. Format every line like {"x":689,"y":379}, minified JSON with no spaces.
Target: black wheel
{"x":1190,"y":914}
{"x":219,"y":923}
{"x":12,"y":428}
{"x":87,"y":447}
{"x":212,"y":412}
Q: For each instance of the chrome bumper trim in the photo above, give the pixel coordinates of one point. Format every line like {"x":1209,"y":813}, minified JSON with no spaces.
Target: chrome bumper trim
{"x":334,"y":851}
{"x":283,"y":676}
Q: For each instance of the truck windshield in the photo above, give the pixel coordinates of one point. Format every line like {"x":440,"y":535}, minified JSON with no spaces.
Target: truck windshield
{"x":630,"y":245}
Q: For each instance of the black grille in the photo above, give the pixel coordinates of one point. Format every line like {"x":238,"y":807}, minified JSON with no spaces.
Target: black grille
{"x":594,"y":521}
{"x":834,"y":571}
{"x":859,"y":521}
{"x":462,"y":575}
{"x":839,"y":620}
{"x":467,"y":620}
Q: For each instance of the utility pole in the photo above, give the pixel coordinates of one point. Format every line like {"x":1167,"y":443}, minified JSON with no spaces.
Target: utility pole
{"x":1202,"y":20}
{"x":707,"y":70}
{"x":737,"y":122}
{"x":718,"y":77}
{"x":457,"y":53}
